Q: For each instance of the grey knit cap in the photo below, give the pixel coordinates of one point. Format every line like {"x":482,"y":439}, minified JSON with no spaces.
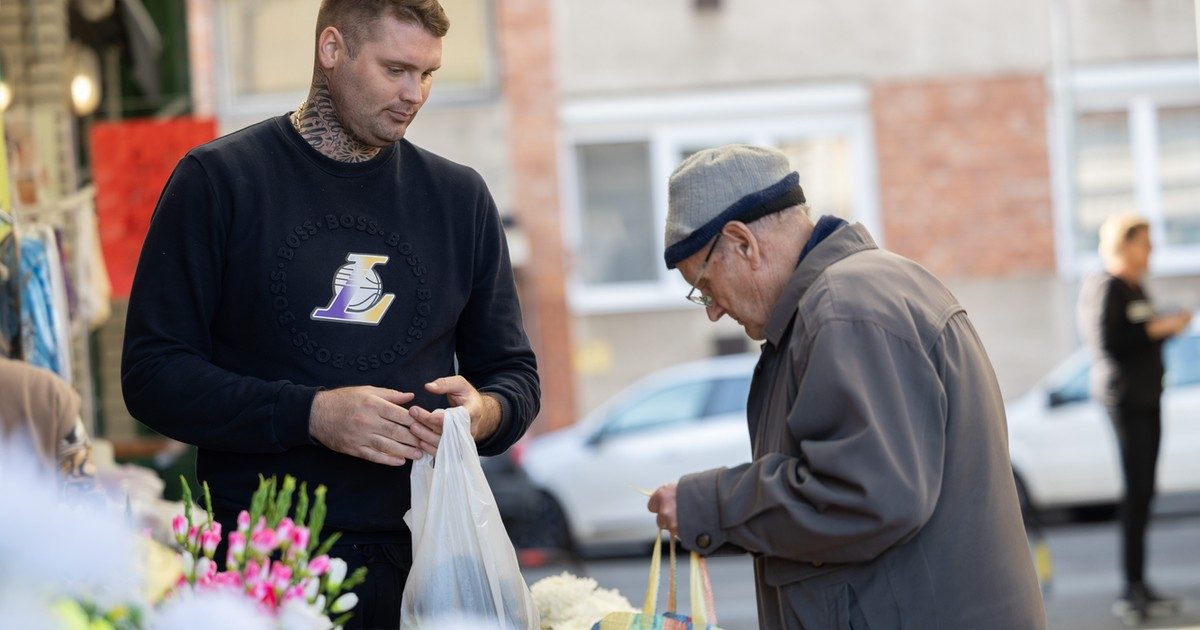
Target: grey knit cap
{"x":736,"y":182}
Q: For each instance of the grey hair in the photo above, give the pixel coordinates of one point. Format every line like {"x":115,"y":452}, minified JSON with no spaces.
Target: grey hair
{"x":776,"y":219}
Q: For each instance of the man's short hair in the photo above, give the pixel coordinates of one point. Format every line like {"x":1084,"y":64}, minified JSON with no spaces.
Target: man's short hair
{"x":357,"y":19}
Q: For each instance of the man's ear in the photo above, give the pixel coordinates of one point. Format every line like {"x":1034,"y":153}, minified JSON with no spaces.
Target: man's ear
{"x":745,"y":243}
{"x":331,"y":48}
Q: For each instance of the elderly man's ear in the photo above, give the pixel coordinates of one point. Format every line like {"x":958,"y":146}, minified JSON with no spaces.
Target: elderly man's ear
{"x":745,"y":244}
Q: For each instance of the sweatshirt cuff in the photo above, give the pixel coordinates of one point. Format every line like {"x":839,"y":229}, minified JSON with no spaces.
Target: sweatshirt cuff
{"x":293,"y":406}
{"x":499,"y":441}
{"x":697,"y":508}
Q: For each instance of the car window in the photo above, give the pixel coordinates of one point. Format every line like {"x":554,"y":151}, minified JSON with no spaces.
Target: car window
{"x":673,"y":404}
{"x":1183,"y":361}
{"x":729,"y":396}
{"x":1073,"y":389}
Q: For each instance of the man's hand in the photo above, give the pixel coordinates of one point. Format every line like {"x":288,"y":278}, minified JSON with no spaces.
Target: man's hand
{"x":662,"y":503}
{"x":366,"y":422}
{"x":483,"y":408}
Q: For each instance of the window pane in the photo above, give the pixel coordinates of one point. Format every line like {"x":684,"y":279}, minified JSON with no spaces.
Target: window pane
{"x":1104,"y":175}
{"x":827,"y":174}
{"x":618,"y":242}
{"x":729,"y":396}
{"x":678,"y":403}
{"x":271,"y":44}
{"x":1179,"y":161}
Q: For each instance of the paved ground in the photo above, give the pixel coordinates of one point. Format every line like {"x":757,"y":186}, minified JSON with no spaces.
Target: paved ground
{"x":1085,"y":576}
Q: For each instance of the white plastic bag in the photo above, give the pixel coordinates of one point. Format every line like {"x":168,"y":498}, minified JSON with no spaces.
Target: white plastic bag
{"x":463,"y":560}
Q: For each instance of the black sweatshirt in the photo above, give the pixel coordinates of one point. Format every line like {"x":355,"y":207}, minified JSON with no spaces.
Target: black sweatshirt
{"x":271,"y":271}
{"x":1128,"y":368}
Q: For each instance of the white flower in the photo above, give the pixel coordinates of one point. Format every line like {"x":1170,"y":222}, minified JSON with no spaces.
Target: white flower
{"x":201,"y":610}
{"x":83,"y":550}
{"x":344,"y":603}
{"x":337,"y":573}
{"x":311,"y":586}
{"x":567,"y":602}
{"x":297,"y":615}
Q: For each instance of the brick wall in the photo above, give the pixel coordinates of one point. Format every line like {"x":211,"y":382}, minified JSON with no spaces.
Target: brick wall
{"x":964,"y":174}
{"x":528,"y":78}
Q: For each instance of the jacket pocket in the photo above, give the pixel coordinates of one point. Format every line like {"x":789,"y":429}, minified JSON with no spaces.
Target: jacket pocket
{"x":835,"y":606}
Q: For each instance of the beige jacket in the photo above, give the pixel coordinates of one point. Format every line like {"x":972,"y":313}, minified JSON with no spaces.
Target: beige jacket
{"x":39,"y":407}
{"x":881,"y":494}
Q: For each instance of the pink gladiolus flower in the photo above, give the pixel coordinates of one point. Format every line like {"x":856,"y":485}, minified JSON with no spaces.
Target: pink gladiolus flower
{"x":281,"y":574}
{"x":295,"y":592}
{"x":228,"y":579}
{"x":318,"y":566}
{"x":237,"y":543}
{"x":193,"y":535}
{"x":264,"y":541}
{"x":264,"y":593}
{"x":179,"y":527}
{"x":300,"y":538}
{"x":253,"y":573}
{"x":204,"y":568}
{"x":284,"y":530}
{"x":209,"y":541}
{"x":215,"y":527}
{"x":243,"y":522}
{"x":236,"y":551}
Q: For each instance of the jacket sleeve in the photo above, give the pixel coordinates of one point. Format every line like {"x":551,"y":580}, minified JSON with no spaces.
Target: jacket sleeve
{"x":167,"y":376}
{"x":869,"y":423}
{"x":493,"y":351}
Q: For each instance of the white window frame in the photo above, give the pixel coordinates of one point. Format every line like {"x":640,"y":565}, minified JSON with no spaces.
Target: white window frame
{"x":670,"y":124}
{"x":233,"y":106}
{"x":1140,"y":90}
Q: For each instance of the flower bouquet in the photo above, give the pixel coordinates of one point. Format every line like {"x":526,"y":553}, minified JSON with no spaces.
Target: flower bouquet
{"x":275,"y":557}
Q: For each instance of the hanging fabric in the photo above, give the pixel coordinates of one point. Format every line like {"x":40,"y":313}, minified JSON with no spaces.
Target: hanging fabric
{"x":10,"y":309}
{"x":45,"y":329}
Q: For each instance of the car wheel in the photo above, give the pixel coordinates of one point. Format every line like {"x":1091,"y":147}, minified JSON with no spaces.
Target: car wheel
{"x":549,"y":528}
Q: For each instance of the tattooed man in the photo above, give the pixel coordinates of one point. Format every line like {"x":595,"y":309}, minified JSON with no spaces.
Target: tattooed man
{"x":314,"y":289}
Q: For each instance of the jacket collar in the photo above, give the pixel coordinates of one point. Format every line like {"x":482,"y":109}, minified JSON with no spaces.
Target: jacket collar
{"x":848,"y":240}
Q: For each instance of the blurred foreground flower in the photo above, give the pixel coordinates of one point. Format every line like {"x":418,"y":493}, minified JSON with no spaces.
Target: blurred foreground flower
{"x":567,"y":602}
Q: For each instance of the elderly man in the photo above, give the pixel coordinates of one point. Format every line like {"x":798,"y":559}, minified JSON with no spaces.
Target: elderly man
{"x":880,"y":494}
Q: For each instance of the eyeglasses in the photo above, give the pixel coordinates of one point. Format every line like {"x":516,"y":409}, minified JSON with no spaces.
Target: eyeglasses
{"x":701,"y":299}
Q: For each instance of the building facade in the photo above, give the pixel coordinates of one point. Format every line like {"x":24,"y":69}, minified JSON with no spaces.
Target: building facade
{"x":985,"y":140}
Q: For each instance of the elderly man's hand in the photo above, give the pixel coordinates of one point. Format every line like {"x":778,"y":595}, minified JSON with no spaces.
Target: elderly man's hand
{"x":662,"y":503}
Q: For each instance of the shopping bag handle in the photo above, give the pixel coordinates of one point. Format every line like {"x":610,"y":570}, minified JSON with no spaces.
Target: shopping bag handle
{"x":700,"y":586}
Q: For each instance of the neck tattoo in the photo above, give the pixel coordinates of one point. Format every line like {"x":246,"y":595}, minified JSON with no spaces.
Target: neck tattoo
{"x":317,"y":122}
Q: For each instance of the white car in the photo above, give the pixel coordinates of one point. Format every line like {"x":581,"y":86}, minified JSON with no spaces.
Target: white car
{"x":1062,"y":445}
{"x":677,"y":421}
